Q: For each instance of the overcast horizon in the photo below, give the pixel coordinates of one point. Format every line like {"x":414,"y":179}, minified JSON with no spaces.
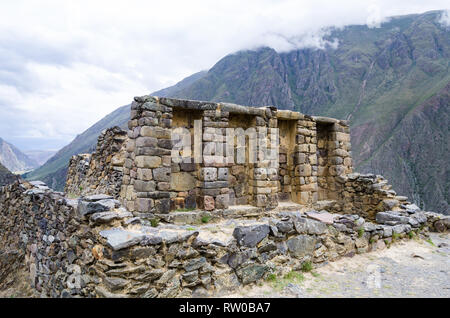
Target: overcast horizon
{"x":64,"y":66}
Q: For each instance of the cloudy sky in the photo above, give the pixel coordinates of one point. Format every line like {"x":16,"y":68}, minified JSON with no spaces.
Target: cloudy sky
{"x":66,"y":64}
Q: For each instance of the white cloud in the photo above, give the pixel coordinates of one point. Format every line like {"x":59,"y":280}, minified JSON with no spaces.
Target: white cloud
{"x":66,"y":64}
{"x":445,"y":18}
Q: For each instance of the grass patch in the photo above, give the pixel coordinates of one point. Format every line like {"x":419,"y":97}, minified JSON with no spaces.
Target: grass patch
{"x":271,"y":278}
{"x":154,"y":222}
{"x":293,"y":276}
{"x":395,"y":236}
{"x":411,"y":234}
{"x":280,"y":283}
{"x":429,"y":240}
{"x":315,"y":274}
{"x":307,"y":266}
{"x":360,"y":232}
{"x":190,"y":229}
{"x":372,"y":240}
{"x":206,"y":218}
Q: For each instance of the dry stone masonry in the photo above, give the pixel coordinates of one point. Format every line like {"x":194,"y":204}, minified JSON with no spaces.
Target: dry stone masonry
{"x":146,"y":217}
{"x":102,"y":171}
{"x":313,"y":153}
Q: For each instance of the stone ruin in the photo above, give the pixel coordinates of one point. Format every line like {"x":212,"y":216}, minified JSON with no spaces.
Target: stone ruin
{"x":197,"y":199}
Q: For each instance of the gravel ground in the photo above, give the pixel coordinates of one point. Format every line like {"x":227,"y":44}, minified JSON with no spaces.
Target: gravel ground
{"x":410,"y":268}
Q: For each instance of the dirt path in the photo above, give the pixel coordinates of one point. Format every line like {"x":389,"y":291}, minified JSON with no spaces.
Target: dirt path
{"x":411,"y":268}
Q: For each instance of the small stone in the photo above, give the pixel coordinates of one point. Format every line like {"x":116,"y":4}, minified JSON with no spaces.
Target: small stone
{"x":252,"y":273}
{"x":194,"y":264}
{"x":250,"y":236}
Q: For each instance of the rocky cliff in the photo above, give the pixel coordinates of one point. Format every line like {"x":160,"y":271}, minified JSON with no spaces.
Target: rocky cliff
{"x":14,"y":159}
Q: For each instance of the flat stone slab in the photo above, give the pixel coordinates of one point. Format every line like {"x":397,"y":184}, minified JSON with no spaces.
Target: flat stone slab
{"x":106,"y":217}
{"x":219,"y":238}
{"x":37,"y":183}
{"x":118,"y":238}
{"x":168,"y":235}
{"x":90,"y":207}
{"x":97,"y":197}
{"x":391,"y":218}
{"x":322,"y":216}
{"x":412,"y":208}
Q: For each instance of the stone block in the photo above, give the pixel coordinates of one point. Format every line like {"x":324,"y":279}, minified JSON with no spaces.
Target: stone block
{"x":208,"y":203}
{"x":208,"y":174}
{"x":222,"y":201}
{"x":144,"y":186}
{"x":182,"y":181}
{"x":222,"y":174}
{"x":162,"y":174}
{"x":146,"y":142}
{"x":148,"y":161}
{"x":156,"y":132}
{"x":301,"y":245}
{"x":144,"y":174}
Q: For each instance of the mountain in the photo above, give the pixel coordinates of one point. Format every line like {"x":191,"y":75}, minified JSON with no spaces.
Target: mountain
{"x":391,"y":82}
{"x":6,"y":177}
{"x":14,"y":159}
{"x":54,"y":171}
{"x":40,"y":156}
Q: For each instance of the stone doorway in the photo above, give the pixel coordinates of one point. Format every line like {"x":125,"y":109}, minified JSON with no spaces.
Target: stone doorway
{"x":184,"y":175}
{"x":287,"y":186}
{"x":324,"y":149}
{"x":240,"y":176}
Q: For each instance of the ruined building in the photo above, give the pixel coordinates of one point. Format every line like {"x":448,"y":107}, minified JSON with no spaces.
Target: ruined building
{"x":197,"y":199}
{"x":310,"y":161}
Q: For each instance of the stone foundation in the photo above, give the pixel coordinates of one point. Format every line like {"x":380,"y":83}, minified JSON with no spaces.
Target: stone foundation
{"x":93,"y":247}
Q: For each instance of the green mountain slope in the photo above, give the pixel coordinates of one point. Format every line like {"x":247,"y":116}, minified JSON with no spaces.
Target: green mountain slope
{"x":384,"y":80}
{"x":54,"y":171}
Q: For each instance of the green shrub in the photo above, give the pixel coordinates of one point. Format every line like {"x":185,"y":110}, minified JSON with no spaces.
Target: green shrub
{"x":271,"y":278}
{"x":307,"y":266}
{"x":395,"y":236}
{"x":154,"y":222}
{"x":360,"y":232}
{"x":206,"y":218}
{"x":430,"y":241}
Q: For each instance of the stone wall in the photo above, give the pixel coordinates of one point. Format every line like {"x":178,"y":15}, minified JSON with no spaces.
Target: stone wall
{"x":365,"y":195}
{"x":41,"y":232}
{"x":93,"y":247}
{"x":101,"y":171}
{"x":307,"y":166}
